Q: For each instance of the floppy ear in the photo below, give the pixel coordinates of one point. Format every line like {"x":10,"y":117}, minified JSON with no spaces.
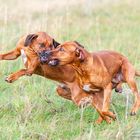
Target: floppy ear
{"x":79,"y":53}
{"x":29,"y":39}
{"x":55,"y":43}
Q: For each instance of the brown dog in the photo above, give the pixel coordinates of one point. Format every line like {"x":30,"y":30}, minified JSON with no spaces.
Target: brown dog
{"x":99,"y":70}
{"x":34,"y":49}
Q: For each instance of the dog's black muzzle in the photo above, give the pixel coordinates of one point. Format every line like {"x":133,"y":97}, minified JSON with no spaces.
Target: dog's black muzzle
{"x":44,"y":56}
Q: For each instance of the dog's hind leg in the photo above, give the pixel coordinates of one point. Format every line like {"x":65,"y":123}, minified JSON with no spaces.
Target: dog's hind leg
{"x":10,"y":55}
{"x":83,"y":99}
{"x":129,"y":74}
{"x":64,"y":92}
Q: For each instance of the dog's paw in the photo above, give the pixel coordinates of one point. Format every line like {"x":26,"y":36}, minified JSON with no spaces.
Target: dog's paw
{"x":119,"y":90}
{"x":132,"y":113}
{"x":29,"y":74}
{"x":108,"y":120}
{"x":10,"y":79}
{"x":99,"y":120}
{"x":135,"y":109}
{"x":109,"y":114}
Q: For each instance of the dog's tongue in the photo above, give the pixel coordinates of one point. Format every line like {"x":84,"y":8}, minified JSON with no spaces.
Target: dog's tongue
{"x":53,"y":62}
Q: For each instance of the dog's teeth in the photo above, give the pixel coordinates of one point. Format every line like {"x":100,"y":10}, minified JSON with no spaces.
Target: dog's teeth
{"x":50,"y":62}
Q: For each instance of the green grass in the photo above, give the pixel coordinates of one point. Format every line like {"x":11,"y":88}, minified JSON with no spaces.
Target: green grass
{"x":29,"y":107}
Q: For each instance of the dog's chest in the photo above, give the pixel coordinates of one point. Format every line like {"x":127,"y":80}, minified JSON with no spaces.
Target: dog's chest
{"x":24,"y":57}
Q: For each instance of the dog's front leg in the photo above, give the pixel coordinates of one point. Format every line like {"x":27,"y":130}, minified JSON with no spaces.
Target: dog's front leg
{"x":83,"y":99}
{"x":29,"y":71}
{"x":106,"y":102}
{"x":14,"y":76}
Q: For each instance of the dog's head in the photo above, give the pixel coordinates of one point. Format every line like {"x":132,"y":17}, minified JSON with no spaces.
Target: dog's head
{"x":41,"y":43}
{"x":67,"y":53}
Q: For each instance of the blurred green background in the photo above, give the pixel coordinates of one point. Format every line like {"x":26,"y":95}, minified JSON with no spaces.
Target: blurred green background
{"x":29,"y":107}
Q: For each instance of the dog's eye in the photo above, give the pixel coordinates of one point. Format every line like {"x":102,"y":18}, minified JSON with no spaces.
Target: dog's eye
{"x":41,"y":45}
{"x":50,"y":46}
{"x":61,"y":49}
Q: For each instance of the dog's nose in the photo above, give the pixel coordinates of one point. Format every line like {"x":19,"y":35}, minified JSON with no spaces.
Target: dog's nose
{"x":45,"y":53}
{"x":48,"y":53}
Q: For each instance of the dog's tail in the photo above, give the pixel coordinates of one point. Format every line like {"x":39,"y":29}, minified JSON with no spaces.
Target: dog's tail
{"x":137,"y":73}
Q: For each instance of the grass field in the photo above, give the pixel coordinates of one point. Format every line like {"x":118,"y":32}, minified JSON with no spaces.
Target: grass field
{"x":29,"y":107}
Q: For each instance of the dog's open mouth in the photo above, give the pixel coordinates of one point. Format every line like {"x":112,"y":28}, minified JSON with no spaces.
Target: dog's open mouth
{"x":53,"y":62}
{"x":44,"y":56}
{"x":44,"y":60}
